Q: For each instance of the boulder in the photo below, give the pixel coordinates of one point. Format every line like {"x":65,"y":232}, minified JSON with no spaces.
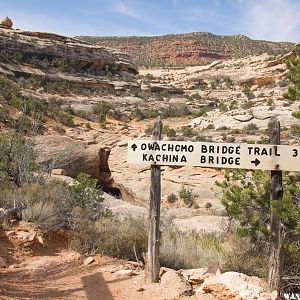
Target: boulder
{"x":88,"y":260}
{"x":71,"y":156}
{"x":233,"y":286}
{"x":3,"y":262}
{"x":7,"y":22}
{"x":157,"y":88}
{"x":176,"y":285}
{"x":126,"y":273}
{"x":195,"y":276}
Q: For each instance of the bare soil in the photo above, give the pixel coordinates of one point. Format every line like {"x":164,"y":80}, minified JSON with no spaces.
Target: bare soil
{"x":44,"y":268}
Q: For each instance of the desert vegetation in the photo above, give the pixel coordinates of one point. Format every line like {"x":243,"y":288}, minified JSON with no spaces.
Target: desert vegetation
{"x":246,"y":197}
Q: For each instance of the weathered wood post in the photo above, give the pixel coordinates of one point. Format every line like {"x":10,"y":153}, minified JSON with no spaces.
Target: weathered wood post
{"x":277,"y":230}
{"x":154,"y":214}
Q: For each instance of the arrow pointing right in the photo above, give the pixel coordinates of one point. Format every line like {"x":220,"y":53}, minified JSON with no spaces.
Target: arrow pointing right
{"x":256,"y":162}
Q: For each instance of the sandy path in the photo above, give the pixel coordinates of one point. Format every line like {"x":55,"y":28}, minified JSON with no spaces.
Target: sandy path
{"x":51,"y":271}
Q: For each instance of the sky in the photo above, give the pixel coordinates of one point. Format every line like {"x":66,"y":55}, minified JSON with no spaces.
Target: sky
{"x":275,"y":20}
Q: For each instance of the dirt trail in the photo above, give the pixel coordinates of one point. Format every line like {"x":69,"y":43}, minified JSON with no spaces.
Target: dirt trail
{"x":41,"y":267}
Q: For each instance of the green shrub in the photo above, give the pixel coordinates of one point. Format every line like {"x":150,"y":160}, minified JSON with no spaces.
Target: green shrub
{"x":246,"y":257}
{"x":59,"y":130}
{"x":63,"y":64}
{"x":101,"y":109}
{"x":126,"y":239}
{"x":229,"y":82}
{"x":293,"y":66}
{"x":187,"y":196}
{"x":65,"y":119}
{"x":4,"y":115}
{"x":250,"y":128}
{"x":54,"y":105}
{"x":208,"y":205}
{"x":48,"y":206}
{"x":186,"y":250}
{"x":295,"y":129}
{"x":223,"y":107}
{"x":17,"y":158}
{"x":173,"y":112}
{"x":43,"y":214}
{"x":7,"y":56}
{"x":249,"y":94}
{"x":201,"y":112}
{"x":9,"y":90}
{"x":296,"y":114}
{"x":169,"y":132}
{"x":246,"y":198}
{"x":187,"y":131}
{"x":172,"y":198}
{"x":210,"y":126}
{"x":247,"y":105}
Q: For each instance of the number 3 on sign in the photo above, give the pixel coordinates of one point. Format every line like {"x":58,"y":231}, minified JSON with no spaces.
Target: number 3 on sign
{"x":295,"y":152}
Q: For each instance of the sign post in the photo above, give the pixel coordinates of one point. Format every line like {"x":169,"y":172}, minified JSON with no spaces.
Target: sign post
{"x":153,"y":265}
{"x":274,"y":157}
{"x":276,"y":259}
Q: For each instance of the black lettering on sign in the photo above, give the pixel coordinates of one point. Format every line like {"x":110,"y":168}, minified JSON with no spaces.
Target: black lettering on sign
{"x":165,"y":158}
{"x":150,"y":146}
{"x":276,"y":151}
{"x":295,"y":152}
{"x":167,"y":147}
{"x":191,"y":148}
{"x":217,"y":149}
{"x":264,"y":151}
{"x":170,"y":147}
{"x":220,"y":160}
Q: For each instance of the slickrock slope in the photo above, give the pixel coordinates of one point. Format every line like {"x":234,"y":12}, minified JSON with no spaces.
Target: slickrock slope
{"x":188,"y":49}
{"x":230,"y":95}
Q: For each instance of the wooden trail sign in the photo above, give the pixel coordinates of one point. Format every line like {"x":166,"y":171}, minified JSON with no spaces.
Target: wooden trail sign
{"x":274,"y":157}
{"x":216,"y":155}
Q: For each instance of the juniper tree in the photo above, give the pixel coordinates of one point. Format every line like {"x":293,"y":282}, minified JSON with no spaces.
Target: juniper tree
{"x":293,"y":66}
{"x":246,"y":198}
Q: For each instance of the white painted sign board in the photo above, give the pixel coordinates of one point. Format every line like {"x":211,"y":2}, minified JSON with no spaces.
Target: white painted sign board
{"x":216,"y":155}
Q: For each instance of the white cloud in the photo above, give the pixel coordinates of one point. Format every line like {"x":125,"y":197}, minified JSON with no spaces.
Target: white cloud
{"x":126,"y":9}
{"x":277,"y":20}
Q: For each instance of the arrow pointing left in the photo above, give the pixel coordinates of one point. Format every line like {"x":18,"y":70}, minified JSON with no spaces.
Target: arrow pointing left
{"x":133,"y":147}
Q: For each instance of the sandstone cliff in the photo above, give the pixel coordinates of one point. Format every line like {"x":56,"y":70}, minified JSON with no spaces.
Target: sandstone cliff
{"x":188,"y":49}
{"x":82,"y":55}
